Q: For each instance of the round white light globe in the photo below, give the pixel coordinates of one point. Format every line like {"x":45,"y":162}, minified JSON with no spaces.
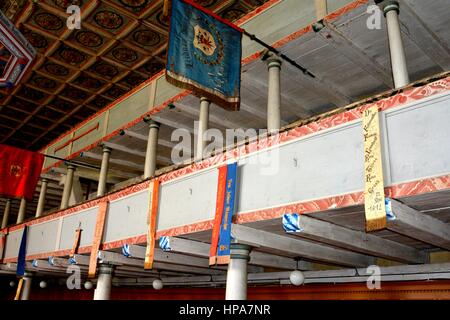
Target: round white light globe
{"x":43,"y":284}
{"x":88,"y":285}
{"x":12,"y":283}
{"x":297,"y":277}
{"x":157,"y":284}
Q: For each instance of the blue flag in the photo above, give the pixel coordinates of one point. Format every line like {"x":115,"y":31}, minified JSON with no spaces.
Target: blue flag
{"x":22,"y":254}
{"x":227,"y":216}
{"x":204,"y":54}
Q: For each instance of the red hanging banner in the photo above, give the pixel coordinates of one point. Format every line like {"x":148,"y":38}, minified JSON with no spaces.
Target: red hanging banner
{"x":19,"y":172}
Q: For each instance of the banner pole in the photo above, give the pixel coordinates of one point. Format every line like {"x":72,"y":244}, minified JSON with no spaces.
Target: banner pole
{"x":278,"y":53}
{"x":73,"y":162}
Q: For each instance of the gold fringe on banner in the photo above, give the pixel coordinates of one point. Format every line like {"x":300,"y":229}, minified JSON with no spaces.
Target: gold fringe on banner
{"x":374,"y":197}
{"x":19,"y":289}
{"x":166,"y":8}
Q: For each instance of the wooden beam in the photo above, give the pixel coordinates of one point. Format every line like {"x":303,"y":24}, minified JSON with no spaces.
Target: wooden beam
{"x":120,"y":162}
{"x":299,"y":248}
{"x":418,"y":32}
{"x":173,"y":124}
{"x":291,"y":105}
{"x":343,"y":45}
{"x":144,"y":137}
{"x":358,"y":241}
{"x":414,"y":224}
{"x":135,"y":152}
{"x":117,"y":258}
{"x":201,"y":249}
{"x":213,"y":119}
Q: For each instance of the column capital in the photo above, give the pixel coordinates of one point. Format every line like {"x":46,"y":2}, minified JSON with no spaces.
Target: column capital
{"x":44,"y":179}
{"x":271,"y":59}
{"x":240,"y":251}
{"x":71,"y":166}
{"x":106,"y":149}
{"x":205,"y":99}
{"x":151,"y":123}
{"x":105,"y":268}
{"x":389,"y":6}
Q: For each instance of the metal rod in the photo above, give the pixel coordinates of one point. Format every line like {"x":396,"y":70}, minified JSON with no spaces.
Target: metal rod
{"x":278,"y":53}
{"x":73,"y":162}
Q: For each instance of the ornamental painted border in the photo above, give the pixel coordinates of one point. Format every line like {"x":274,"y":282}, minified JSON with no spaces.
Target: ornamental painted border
{"x":22,"y":53}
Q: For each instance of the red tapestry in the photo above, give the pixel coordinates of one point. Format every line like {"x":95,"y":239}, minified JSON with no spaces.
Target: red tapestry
{"x":19,"y":172}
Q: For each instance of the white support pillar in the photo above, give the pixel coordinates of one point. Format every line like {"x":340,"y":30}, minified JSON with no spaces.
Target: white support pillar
{"x":321,"y":9}
{"x":236,"y":287}
{"x":67,"y":186}
{"x":274,"y":94}
{"x":391,"y":10}
{"x":6,"y":213}
{"x":152,"y":147}
{"x":104,"y":282}
{"x":101,"y":189}
{"x":203,"y":123}
{"x":41,"y":201}
{"x":26,"y":289}
{"x":22,"y":211}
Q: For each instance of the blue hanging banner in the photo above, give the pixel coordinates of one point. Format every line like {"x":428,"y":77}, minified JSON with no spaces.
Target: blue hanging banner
{"x":223,"y":254}
{"x":204,"y":54}
{"x":22,"y":254}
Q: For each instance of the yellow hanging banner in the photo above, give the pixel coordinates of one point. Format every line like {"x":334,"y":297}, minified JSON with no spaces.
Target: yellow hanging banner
{"x":373,"y":171}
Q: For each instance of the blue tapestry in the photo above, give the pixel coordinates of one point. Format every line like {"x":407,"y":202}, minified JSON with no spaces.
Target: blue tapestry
{"x":204,"y":54}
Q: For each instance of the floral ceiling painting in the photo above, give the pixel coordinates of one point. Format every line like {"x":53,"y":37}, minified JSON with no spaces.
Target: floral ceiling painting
{"x":121,"y":43}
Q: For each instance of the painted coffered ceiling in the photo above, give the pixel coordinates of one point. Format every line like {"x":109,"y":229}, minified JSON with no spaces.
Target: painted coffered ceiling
{"x":121,"y":43}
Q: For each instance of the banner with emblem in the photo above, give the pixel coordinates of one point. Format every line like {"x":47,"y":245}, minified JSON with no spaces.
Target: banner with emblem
{"x":19,"y":172}
{"x":204,"y":54}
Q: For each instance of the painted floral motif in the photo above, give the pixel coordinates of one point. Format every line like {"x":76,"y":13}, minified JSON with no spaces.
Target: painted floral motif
{"x":108,"y":19}
{"x":89,"y":39}
{"x":105,"y":70}
{"x":35,"y":39}
{"x":124,"y":54}
{"x":74,"y":93}
{"x":44,"y":83}
{"x":154,"y":67}
{"x":70,"y":55}
{"x":147,"y":38}
{"x":88,"y":82}
{"x":134,"y":3}
{"x":66,"y":3}
{"x":48,"y":21}
{"x":56,"y":69}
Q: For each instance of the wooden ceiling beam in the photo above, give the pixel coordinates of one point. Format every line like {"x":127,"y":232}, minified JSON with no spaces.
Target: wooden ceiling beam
{"x":416,"y":225}
{"x":299,"y":248}
{"x":329,"y":233}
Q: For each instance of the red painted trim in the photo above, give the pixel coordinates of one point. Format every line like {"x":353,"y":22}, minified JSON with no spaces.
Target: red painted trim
{"x":212,"y":14}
